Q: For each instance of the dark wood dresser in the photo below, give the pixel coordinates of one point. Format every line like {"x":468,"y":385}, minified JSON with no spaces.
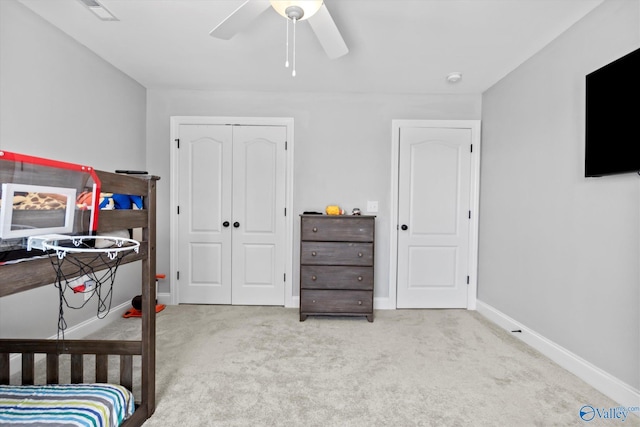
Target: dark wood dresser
{"x":336,"y":265}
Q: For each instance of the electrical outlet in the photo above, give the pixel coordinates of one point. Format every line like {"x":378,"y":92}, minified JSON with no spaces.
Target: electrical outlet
{"x":89,"y":287}
{"x":372,"y":206}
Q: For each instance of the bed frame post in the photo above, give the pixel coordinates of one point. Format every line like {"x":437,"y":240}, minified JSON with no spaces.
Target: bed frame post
{"x":149,"y":304}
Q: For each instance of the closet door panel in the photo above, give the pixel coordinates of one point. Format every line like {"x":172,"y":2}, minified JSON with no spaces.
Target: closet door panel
{"x":258,"y":210}
{"x":205,"y":204}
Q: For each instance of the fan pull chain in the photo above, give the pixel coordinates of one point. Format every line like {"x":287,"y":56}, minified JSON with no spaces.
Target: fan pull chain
{"x":293,"y":73}
{"x":286,"y":63}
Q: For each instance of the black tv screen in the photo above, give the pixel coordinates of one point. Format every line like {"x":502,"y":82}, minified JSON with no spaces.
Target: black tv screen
{"x":613,"y":117}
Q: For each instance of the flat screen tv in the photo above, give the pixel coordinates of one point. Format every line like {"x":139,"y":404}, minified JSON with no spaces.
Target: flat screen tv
{"x":613,"y":118}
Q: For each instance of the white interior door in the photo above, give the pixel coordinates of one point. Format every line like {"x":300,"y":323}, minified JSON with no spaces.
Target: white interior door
{"x":258,"y":213}
{"x":204,"y":195}
{"x":231,"y":219}
{"x":433,"y":216}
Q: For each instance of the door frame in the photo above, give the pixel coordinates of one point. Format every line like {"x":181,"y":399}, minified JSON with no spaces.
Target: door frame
{"x":474,"y":203}
{"x":175,"y":123}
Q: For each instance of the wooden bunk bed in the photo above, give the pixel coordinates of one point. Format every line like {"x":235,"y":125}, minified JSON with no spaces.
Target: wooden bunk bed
{"x":31,"y":274}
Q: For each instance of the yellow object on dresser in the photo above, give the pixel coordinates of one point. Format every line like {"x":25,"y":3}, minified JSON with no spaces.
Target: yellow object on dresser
{"x":334,"y":210}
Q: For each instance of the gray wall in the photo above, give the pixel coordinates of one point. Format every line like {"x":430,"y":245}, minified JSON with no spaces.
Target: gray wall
{"x":342,"y":148}
{"x":61,"y":101}
{"x":560,"y":253}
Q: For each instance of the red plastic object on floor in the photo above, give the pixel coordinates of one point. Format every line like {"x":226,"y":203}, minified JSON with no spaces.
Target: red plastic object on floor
{"x":132,"y":312}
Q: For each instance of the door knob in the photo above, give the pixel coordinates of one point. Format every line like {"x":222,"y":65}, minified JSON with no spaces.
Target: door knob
{"x":225,"y":224}
{"x":404,"y":226}
{"x":236,"y":224}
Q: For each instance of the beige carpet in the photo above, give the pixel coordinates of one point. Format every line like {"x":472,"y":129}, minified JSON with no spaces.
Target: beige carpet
{"x":260,"y":366}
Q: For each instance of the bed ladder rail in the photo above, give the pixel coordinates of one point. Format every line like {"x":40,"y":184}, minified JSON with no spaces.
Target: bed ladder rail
{"x":28,"y":349}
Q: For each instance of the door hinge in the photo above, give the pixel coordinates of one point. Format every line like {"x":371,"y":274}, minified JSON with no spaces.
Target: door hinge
{"x":469,"y":214}
{"x":472,"y":148}
{"x":285,"y":145}
{"x":285,"y":211}
{"x":177,"y":142}
{"x":467,"y":280}
{"x":178,"y":209}
{"x":177,"y":275}
{"x":285,"y":277}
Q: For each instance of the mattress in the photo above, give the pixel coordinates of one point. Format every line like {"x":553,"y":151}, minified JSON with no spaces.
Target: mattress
{"x":90,"y":405}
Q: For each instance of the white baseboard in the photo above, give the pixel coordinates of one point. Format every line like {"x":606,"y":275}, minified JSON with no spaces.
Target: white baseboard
{"x":295,"y":302}
{"x":164,"y":298}
{"x":602,"y":381}
{"x":78,"y":331}
{"x":382,"y":303}
{"x":94,"y":324}
{"x":379,"y":303}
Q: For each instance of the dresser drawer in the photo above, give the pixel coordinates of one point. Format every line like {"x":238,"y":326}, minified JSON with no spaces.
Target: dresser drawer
{"x":329,"y":301}
{"x":332,"y":277}
{"x":330,"y":253}
{"x":337,"y":229}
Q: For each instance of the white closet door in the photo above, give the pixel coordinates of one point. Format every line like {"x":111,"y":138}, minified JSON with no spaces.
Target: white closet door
{"x":258,"y":212}
{"x":232,"y":221}
{"x":205,"y":192}
{"x":433,"y":213}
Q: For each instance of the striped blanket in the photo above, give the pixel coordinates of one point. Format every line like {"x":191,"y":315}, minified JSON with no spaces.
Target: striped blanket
{"x":90,"y":405}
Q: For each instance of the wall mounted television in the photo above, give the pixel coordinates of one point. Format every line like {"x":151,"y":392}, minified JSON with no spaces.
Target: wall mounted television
{"x":612,"y":136}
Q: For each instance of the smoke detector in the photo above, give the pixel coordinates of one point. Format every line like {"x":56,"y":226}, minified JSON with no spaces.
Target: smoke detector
{"x":454,"y":77}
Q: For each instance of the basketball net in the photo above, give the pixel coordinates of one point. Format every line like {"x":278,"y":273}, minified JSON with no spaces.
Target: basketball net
{"x":93,"y":259}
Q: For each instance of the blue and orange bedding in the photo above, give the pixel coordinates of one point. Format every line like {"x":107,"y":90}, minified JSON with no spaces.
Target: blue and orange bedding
{"x":82,"y":405}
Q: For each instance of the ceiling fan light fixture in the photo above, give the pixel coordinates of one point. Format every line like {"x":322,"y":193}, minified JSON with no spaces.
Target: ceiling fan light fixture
{"x":296,"y":9}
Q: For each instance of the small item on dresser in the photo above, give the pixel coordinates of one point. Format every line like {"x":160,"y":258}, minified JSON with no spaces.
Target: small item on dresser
{"x":131,"y":172}
{"x":334,"y":210}
{"x":312,"y":213}
{"x":356,"y":211}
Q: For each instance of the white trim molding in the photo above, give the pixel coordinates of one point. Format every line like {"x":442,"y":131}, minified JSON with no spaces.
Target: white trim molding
{"x":602,"y":381}
{"x":175,"y":122}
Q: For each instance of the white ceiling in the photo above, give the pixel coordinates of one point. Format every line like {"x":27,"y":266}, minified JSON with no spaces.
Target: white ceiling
{"x":396,"y":46}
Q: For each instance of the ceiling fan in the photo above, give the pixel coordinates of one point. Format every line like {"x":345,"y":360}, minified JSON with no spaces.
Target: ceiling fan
{"x":314,"y":11}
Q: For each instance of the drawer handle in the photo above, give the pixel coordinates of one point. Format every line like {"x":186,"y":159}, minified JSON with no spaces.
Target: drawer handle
{"x":313,"y":277}
{"x":360,"y":254}
{"x":359,"y":278}
{"x":314,"y":229}
{"x":313,"y":253}
{"x":359,"y":302}
{"x":313,"y":301}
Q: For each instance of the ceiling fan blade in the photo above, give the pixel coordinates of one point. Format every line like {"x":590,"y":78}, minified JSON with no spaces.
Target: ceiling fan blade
{"x":328,"y":34}
{"x":239,"y":19}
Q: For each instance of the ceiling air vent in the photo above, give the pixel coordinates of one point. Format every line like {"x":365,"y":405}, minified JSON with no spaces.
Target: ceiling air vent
{"x":99,"y":10}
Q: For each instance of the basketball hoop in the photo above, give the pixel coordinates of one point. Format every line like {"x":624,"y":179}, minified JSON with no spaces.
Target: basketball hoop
{"x":62,"y":244}
{"x":93,"y":258}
